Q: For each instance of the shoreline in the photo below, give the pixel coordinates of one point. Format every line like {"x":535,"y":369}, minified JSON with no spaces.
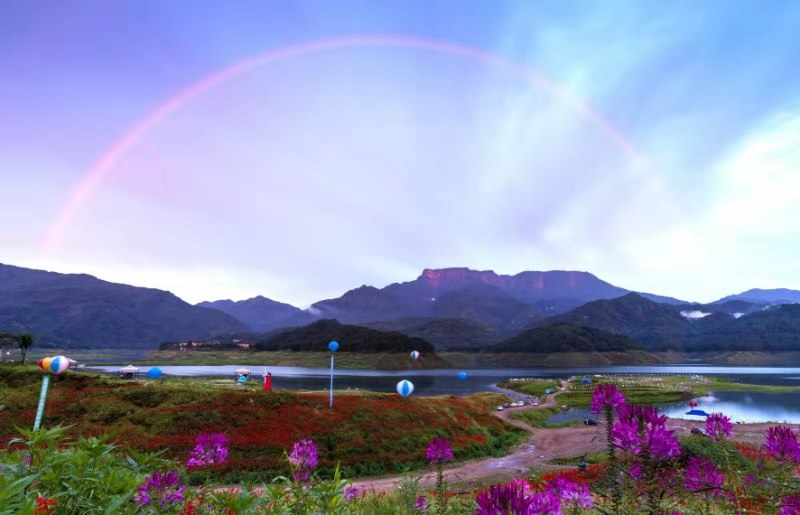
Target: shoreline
{"x":440,"y":360}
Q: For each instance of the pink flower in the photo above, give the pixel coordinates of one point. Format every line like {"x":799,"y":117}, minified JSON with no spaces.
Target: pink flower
{"x":781,"y":444}
{"x":702,"y":476}
{"x":303,"y":457}
{"x":606,"y":395}
{"x":210,"y":449}
{"x":718,"y":426}
{"x":439,"y":451}
{"x":640,"y":428}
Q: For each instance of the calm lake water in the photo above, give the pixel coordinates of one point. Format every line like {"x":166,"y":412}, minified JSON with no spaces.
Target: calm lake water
{"x":749,"y":406}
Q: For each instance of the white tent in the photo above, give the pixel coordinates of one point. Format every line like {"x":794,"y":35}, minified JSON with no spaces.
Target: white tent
{"x":242,"y":372}
{"x":129,"y":372}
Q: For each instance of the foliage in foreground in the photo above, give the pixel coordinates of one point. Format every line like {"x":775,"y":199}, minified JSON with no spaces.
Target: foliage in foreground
{"x":647,"y":470}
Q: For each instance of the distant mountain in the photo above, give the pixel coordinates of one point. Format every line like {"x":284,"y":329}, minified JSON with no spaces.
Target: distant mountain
{"x":774,"y":329}
{"x":504,"y":302}
{"x":316,"y":336}
{"x":260,"y":314}
{"x":444,"y":333}
{"x":657,"y":326}
{"x":566,"y":338}
{"x":734,"y":325}
{"x":81,"y":311}
{"x":759,"y":296}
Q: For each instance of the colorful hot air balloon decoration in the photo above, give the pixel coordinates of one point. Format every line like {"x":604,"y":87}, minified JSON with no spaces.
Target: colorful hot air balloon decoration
{"x":462,"y":375}
{"x":50,"y":366}
{"x":405,"y":387}
{"x":415,"y":355}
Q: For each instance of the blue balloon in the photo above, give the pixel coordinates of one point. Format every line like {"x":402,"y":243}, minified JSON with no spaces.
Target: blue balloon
{"x":462,"y":376}
{"x":405,"y":387}
{"x":154,"y":373}
{"x":333,"y":346}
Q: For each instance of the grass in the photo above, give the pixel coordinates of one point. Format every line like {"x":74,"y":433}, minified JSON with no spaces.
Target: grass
{"x":367,"y":433}
{"x":539,"y":417}
{"x":646,"y":389}
{"x":590,"y":459}
{"x":354,"y":360}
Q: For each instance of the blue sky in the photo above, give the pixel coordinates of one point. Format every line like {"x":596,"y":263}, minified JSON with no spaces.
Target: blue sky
{"x":302,"y":178}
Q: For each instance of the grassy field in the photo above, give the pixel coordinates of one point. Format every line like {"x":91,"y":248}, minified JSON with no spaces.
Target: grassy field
{"x":646,"y":389}
{"x":368,"y":433}
{"x":538,"y":417}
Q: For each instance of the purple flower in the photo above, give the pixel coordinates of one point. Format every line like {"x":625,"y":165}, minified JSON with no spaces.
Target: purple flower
{"x":790,"y":505}
{"x":508,"y":498}
{"x":209,"y":449}
{"x":439,"y":451}
{"x":702,"y":476}
{"x":543,"y":503}
{"x":640,"y":428}
{"x":569,"y":492}
{"x":351,"y":492}
{"x":304,"y":458}
{"x":606,"y":395}
{"x":718,"y":426}
{"x":515,"y":497}
{"x":421,"y":505}
{"x":781,"y":444}
{"x":161,"y":489}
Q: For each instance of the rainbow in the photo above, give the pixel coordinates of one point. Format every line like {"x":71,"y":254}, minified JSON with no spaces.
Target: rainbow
{"x":100,"y":168}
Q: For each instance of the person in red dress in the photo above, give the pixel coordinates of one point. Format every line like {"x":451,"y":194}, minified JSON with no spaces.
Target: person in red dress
{"x":268,"y":382}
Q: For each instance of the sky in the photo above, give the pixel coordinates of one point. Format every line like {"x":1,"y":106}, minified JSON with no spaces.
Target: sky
{"x":297,"y":149}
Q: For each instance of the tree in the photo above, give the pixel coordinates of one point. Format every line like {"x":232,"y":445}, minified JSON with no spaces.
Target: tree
{"x":24,"y":341}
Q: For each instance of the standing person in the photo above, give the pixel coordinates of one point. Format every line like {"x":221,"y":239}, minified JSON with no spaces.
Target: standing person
{"x":268,"y":382}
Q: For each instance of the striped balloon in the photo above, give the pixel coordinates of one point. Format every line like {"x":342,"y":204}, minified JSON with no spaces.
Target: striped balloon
{"x":414,"y":354}
{"x":405,"y":387}
{"x":59,"y":365}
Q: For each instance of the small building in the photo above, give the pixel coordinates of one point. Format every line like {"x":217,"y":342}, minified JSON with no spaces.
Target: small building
{"x":9,"y":352}
{"x":129,"y":372}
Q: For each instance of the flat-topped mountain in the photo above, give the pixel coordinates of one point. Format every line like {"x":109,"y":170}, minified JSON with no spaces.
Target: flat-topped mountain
{"x":78,"y":310}
{"x":260,"y":314}
{"x":502,"y":301}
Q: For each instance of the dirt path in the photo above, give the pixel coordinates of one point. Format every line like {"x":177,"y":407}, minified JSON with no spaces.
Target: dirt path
{"x":539,"y":448}
{"x":543,"y":446}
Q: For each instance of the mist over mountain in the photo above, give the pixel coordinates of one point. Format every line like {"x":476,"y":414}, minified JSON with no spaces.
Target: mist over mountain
{"x":78,"y":310}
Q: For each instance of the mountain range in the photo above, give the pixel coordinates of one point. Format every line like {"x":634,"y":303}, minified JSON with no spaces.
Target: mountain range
{"x":451,"y":308}
{"x":78,"y":310}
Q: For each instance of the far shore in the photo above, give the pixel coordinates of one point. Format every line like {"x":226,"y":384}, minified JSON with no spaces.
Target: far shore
{"x":399,"y":361}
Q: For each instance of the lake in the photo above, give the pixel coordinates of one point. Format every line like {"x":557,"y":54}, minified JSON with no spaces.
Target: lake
{"x":749,"y":406}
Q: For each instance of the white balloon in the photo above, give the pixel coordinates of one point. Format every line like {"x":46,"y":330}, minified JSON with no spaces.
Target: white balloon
{"x":405,"y":387}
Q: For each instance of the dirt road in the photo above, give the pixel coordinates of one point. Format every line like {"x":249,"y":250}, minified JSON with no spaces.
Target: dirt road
{"x":543,"y":446}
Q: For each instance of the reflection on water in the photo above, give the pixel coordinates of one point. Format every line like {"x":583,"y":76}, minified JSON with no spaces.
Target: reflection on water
{"x":746,"y":406}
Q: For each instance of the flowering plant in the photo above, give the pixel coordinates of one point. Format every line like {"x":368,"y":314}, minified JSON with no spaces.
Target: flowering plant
{"x":209,"y":449}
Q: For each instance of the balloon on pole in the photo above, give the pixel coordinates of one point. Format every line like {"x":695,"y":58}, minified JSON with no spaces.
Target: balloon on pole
{"x":405,"y":387}
{"x":414,"y":355}
{"x":55,"y":366}
{"x":333,"y":347}
{"x":462,"y":375}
